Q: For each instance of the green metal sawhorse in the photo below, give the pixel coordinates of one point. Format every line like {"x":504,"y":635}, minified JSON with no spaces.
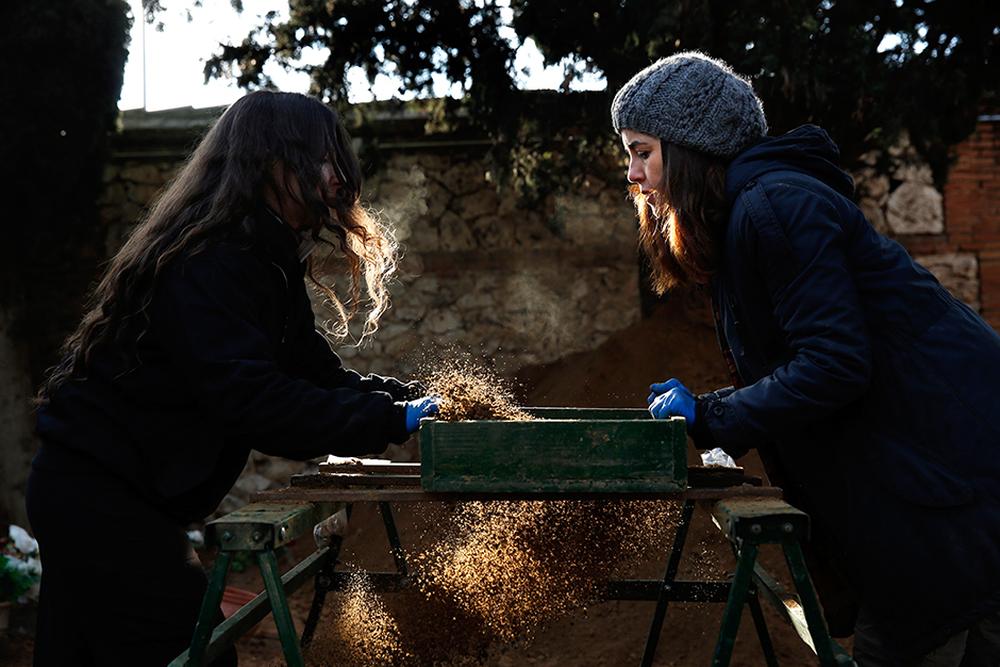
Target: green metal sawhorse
{"x":749,"y":517}
{"x":260,"y":529}
{"x":748,"y":523}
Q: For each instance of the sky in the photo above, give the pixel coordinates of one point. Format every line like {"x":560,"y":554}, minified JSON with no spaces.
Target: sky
{"x":164,"y":68}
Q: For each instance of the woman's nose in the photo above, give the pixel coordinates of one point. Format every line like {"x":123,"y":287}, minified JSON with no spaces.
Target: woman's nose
{"x":635,"y":174}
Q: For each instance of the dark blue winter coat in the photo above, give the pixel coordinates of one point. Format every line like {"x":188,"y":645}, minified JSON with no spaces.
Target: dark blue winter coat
{"x":870,"y":391}
{"x":230,"y":360}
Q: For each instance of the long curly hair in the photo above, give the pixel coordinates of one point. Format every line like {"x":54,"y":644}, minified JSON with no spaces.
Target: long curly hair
{"x":680,"y":227}
{"x":223,"y":182}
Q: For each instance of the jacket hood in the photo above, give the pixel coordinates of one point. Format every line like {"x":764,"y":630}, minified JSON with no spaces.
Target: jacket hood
{"x":807,"y":149}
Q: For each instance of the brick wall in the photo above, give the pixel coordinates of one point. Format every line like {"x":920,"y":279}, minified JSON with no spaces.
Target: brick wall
{"x":972,"y":210}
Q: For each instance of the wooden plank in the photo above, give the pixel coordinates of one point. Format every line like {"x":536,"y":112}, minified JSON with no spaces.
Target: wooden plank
{"x":592,"y":414}
{"x":716,"y":476}
{"x":760,"y":520}
{"x":697,"y":478}
{"x":259,"y":526}
{"x":546,"y":456}
{"x":419,"y":495}
{"x":336,"y":464}
{"x":362,"y":467}
{"x":323,"y":480}
{"x":405,"y":474}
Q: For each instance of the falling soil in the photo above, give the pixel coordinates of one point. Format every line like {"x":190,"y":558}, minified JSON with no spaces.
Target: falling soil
{"x":472,"y":391}
{"x":517,"y":566}
{"x":500,"y":570}
{"x":363,"y":631}
{"x":362,"y":627}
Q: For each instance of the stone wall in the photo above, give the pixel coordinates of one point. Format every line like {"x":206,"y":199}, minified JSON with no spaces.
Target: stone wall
{"x":480,"y":274}
{"x":955,"y":234}
{"x":517,"y":286}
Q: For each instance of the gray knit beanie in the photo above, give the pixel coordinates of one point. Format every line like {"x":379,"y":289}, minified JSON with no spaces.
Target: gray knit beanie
{"x":692,"y":100}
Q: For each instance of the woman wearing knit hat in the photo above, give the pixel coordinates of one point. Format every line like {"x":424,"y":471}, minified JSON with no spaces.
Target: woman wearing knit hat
{"x":863,"y":384}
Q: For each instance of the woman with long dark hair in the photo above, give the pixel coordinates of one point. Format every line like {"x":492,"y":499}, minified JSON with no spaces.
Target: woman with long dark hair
{"x":868,"y":390}
{"x":199,"y":344}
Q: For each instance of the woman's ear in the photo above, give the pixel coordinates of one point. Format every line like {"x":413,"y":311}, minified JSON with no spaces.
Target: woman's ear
{"x":274,"y":185}
{"x":280,"y":176}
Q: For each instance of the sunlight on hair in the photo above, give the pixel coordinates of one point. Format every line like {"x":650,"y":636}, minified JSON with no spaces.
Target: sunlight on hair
{"x":380,"y":254}
{"x":371,"y":254}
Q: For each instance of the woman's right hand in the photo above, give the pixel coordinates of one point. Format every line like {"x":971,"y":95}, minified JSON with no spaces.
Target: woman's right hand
{"x":418,"y":408}
{"x":671,"y":399}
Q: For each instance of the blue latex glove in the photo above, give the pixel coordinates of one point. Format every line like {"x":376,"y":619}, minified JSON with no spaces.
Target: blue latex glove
{"x":658,"y":388}
{"x":671,"y":399}
{"x":419,"y":408}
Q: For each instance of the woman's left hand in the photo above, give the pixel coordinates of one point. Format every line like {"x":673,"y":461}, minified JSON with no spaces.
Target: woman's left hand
{"x":417,"y":409}
{"x":671,"y":399}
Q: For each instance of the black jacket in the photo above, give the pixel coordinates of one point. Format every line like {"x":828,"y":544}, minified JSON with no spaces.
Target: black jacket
{"x":230,"y":361}
{"x":870,"y":391}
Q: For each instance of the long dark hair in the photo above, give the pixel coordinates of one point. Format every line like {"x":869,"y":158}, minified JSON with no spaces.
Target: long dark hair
{"x":222,"y":183}
{"x":680,"y":230}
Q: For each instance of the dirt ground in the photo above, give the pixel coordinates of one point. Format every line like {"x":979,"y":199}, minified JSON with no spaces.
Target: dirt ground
{"x":677,"y":340}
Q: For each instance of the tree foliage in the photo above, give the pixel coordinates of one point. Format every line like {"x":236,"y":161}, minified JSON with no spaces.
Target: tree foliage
{"x":813,"y":61}
{"x":58,"y":112}
{"x":61,"y":81}
{"x":810,"y":61}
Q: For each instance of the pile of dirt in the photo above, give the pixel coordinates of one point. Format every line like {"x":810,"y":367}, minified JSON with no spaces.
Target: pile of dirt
{"x":676,"y":340}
